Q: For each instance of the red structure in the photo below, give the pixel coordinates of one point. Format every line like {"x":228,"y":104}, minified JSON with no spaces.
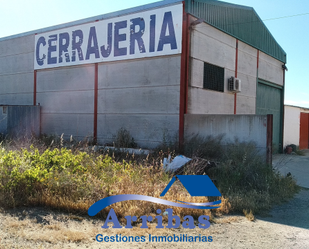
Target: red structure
{"x":304,"y":131}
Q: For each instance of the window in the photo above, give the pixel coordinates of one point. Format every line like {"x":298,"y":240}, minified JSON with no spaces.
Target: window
{"x":213,"y":77}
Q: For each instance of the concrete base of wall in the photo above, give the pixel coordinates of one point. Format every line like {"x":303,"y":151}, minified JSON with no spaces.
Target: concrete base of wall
{"x":244,"y":128}
{"x":20,"y":121}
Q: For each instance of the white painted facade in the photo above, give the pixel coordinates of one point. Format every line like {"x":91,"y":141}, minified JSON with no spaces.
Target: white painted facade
{"x":213,"y":46}
{"x":16,"y":70}
{"x":292,"y":124}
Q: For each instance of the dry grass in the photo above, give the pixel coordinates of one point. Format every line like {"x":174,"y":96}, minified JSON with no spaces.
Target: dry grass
{"x":226,"y":219}
{"x":51,"y":231}
{"x":249,"y":215}
{"x":71,"y":181}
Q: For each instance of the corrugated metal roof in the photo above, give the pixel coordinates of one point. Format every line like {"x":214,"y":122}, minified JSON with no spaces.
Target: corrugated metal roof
{"x":238,"y":21}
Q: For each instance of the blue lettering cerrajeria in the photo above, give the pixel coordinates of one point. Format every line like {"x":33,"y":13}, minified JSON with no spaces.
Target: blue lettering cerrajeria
{"x":52,"y":47}
{"x":152,"y":38}
{"x":92,"y":47}
{"x":150,"y":33}
{"x":77,"y":41}
{"x":170,"y":38}
{"x":137,"y":36}
{"x":118,"y":51}
{"x":188,"y":220}
{"x":64,"y":40}
{"x":40,"y":60}
{"x":106,"y":50}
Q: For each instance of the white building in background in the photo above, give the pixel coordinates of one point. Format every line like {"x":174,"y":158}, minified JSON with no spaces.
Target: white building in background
{"x":296,"y":126}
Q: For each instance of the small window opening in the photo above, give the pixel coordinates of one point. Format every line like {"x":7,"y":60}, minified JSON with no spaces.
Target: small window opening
{"x":213,"y":77}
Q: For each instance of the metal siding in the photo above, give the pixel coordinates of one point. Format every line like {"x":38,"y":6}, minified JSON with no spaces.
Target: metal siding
{"x":3,"y":121}
{"x":23,"y":121}
{"x":238,"y":21}
{"x":268,"y":101}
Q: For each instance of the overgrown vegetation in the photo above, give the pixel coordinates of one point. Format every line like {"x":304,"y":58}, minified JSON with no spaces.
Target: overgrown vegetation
{"x":242,"y":175}
{"x":123,"y":139}
{"x":72,"y":180}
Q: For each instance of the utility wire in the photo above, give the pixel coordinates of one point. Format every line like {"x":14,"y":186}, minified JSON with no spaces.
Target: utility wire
{"x":270,"y":19}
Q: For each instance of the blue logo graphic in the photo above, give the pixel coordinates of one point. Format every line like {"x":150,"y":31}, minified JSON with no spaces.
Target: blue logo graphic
{"x":196,"y":185}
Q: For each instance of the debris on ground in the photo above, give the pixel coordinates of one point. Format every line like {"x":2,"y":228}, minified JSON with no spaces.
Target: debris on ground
{"x":196,"y":166}
{"x":177,"y":163}
{"x":182,"y":165}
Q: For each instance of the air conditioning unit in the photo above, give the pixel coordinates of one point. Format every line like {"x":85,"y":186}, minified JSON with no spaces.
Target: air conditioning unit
{"x":234,"y":84}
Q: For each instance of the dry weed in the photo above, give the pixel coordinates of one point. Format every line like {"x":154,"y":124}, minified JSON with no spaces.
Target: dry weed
{"x":249,"y":215}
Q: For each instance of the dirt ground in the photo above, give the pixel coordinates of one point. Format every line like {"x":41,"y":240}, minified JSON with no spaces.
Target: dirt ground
{"x":286,"y":226}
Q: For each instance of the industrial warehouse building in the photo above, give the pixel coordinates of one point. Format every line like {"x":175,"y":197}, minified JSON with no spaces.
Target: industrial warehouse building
{"x":146,"y":69}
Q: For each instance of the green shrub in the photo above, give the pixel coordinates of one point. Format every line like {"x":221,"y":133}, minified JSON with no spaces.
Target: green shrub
{"x":71,"y":181}
{"x":124,"y":139}
{"x":205,"y":147}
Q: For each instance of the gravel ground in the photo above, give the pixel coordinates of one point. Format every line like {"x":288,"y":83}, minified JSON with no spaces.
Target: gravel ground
{"x":286,"y":226}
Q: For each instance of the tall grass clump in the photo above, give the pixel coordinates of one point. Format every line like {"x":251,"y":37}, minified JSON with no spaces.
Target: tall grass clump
{"x":123,"y":139}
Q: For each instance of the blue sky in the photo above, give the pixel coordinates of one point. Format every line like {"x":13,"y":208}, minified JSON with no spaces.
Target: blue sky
{"x":292,"y":33}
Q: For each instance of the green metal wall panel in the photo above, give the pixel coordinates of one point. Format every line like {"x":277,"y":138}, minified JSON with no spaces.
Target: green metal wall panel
{"x":269,"y":101}
{"x":238,"y":21}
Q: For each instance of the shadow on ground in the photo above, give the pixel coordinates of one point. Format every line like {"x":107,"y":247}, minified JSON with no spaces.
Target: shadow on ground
{"x":293,"y":213}
{"x":43,"y":215}
{"x":297,"y":165}
{"x":296,"y":211}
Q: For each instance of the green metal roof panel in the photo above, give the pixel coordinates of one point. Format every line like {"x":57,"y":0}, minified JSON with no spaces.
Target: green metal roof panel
{"x":238,"y":21}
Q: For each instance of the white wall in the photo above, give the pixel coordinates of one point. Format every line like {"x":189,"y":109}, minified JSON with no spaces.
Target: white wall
{"x":245,"y":128}
{"x":270,"y":69}
{"x":16,"y":71}
{"x":247,"y":71}
{"x":292,"y":124}
{"x":66,"y":96}
{"x":213,"y":46}
{"x":141,"y":96}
